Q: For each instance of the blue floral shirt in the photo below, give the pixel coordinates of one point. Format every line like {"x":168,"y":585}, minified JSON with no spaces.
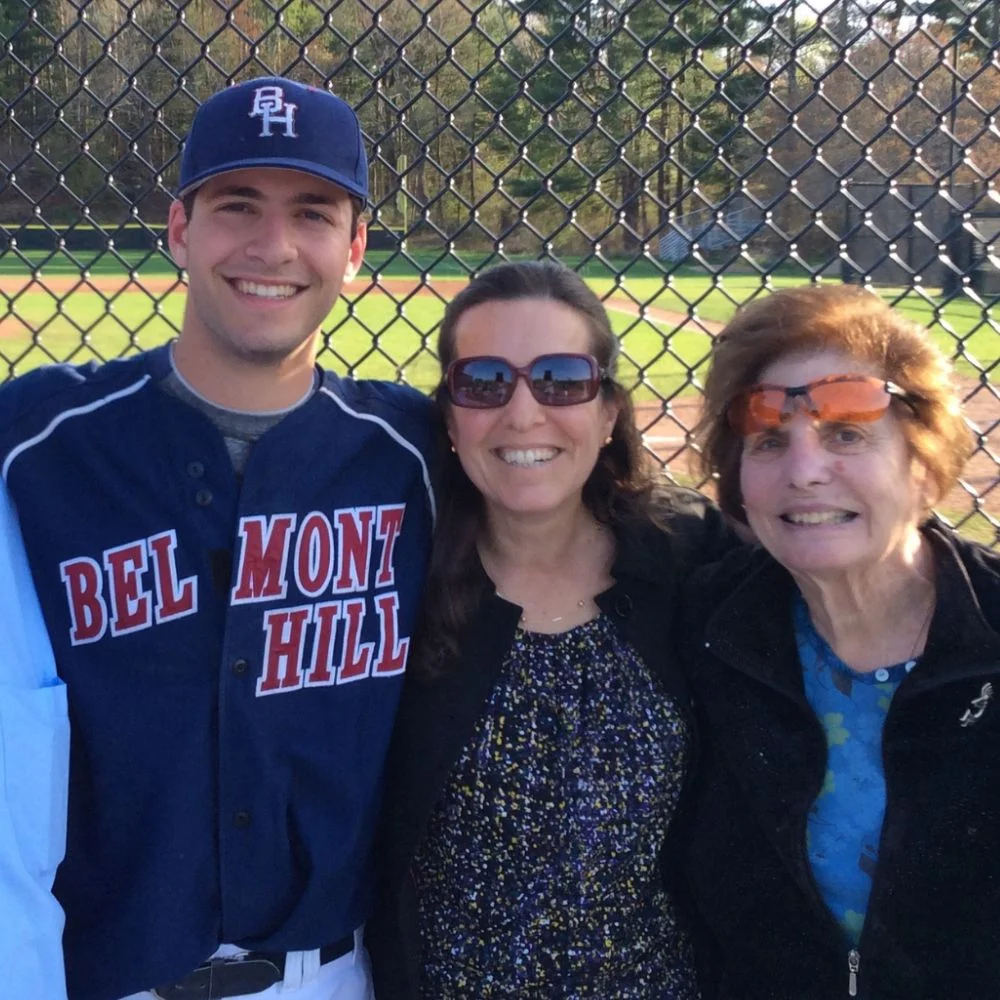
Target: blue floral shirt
{"x":845,"y":821}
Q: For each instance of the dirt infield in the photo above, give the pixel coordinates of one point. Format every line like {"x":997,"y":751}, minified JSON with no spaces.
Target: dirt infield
{"x":664,"y":429}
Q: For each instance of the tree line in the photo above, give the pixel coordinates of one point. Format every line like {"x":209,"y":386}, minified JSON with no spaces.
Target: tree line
{"x":531,"y":124}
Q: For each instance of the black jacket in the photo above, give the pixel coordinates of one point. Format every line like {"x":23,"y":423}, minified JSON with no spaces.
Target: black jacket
{"x":438,"y":714}
{"x":932,"y":930}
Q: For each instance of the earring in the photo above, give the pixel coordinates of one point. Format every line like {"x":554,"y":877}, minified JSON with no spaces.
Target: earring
{"x":453,"y":450}
{"x":608,"y":440}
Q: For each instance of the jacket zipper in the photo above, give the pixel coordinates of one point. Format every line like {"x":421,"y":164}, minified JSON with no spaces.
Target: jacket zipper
{"x":822,"y":910}
{"x":854,"y":955}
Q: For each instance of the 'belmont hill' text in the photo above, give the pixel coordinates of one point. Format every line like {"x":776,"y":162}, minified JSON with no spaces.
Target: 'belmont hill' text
{"x":335,"y":571}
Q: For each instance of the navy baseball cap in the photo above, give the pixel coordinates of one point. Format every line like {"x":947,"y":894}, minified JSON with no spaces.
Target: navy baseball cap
{"x":273,"y":122}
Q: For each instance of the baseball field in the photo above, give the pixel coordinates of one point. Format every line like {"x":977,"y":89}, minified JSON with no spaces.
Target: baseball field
{"x":61,"y":307}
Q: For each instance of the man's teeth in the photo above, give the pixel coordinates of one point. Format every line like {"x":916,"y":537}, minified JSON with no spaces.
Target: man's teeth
{"x":820,"y":517}
{"x":265,"y":291}
{"x":527,"y":456}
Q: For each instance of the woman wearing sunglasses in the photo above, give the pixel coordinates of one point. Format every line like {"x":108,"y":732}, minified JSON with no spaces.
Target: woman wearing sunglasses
{"x":845,"y":822}
{"x":544,"y":735}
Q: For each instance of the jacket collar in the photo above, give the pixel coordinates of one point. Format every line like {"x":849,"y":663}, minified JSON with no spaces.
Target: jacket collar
{"x":640,"y":553}
{"x":752,"y":628}
{"x":962,"y":641}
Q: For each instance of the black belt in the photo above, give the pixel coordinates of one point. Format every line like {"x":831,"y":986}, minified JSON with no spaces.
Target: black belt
{"x":251,"y":973}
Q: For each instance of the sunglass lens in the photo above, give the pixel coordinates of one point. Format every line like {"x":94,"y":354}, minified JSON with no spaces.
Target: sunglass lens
{"x":860,"y":400}
{"x":757,"y":410}
{"x":482,"y":383}
{"x":563,"y":380}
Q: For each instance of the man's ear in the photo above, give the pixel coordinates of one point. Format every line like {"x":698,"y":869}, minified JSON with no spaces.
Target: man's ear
{"x":177,"y":233}
{"x":356,"y":255}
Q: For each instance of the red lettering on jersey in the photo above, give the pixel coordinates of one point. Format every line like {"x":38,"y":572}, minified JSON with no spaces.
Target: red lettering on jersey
{"x":283,"y":649}
{"x":393,"y":650}
{"x":321,"y":670}
{"x":263,"y":556}
{"x":354,"y":549}
{"x":131,"y":607}
{"x":390,"y":521}
{"x":357,"y":659}
{"x":174,"y":598}
{"x":87,"y":611}
{"x":314,"y":555}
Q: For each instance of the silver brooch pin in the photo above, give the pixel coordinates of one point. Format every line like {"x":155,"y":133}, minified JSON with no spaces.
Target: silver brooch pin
{"x":977,"y":706}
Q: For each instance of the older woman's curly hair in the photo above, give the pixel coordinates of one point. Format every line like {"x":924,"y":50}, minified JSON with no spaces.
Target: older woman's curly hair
{"x":856,"y":323}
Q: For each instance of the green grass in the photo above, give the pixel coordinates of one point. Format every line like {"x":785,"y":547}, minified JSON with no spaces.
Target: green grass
{"x":378,"y":335}
{"x":372,"y":339}
{"x":972,"y":525}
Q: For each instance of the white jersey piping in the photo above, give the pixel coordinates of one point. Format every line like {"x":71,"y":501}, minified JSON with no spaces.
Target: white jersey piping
{"x":396,"y":436}
{"x":66,"y":414}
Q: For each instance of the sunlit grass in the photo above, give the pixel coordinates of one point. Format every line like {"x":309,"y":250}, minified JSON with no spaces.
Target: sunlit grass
{"x":380,"y":337}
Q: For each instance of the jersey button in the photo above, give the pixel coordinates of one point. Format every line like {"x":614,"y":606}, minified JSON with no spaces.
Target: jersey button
{"x":203,"y":498}
{"x":196,"y":470}
{"x":242,"y":819}
{"x":240,"y":666}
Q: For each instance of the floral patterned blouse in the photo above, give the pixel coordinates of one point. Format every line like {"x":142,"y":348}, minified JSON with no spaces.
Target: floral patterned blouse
{"x":540,"y":874}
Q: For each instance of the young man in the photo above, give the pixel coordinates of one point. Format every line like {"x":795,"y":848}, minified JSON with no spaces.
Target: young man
{"x":229,"y":545}
{"x":34,"y":764}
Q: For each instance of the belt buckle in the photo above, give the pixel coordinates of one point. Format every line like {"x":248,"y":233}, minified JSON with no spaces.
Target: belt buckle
{"x":223,"y":977}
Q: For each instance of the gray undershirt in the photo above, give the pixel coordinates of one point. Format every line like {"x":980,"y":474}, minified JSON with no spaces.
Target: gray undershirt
{"x":240,"y":430}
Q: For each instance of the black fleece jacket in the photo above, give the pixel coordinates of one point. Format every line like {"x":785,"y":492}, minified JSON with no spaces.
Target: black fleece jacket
{"x":932,"y":930}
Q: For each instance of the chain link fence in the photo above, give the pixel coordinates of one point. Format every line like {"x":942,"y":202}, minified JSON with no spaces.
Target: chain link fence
{"x":683,"y":156}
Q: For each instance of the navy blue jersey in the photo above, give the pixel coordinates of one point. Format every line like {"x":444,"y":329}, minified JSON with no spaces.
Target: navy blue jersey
{"x":233,"y":653}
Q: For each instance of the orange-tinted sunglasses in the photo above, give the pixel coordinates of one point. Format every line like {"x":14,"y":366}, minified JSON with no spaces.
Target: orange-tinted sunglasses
{"x":839,"y":399}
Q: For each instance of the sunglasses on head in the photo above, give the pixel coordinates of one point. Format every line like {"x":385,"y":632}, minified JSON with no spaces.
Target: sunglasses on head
{"x":838,"y":399}
{"x":484,"y":383}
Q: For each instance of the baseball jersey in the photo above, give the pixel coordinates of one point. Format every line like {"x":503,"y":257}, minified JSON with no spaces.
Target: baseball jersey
{"x":34,"y":764}
{"x":233,"y":652}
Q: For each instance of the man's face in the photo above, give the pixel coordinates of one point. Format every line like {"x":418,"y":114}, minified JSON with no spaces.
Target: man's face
{"x":266,"y":251}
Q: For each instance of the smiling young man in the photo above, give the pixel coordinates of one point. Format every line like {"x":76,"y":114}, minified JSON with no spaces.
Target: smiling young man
{"x":228,"y":544}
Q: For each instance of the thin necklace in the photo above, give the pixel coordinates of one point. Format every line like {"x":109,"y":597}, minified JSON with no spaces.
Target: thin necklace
{"x":523,"y":620}
{"x":558,"y":618}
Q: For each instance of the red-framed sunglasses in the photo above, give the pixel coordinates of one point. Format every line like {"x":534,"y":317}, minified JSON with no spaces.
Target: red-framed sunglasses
{"x":838,"y":399}
{"x":485,"y":383}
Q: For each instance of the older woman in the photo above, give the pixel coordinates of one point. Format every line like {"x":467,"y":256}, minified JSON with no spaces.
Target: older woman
{"x":845,"y":826}
{"x":544,"y":734}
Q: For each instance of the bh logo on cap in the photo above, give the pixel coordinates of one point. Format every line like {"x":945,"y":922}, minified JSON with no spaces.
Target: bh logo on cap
{"x":270,"y":106}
